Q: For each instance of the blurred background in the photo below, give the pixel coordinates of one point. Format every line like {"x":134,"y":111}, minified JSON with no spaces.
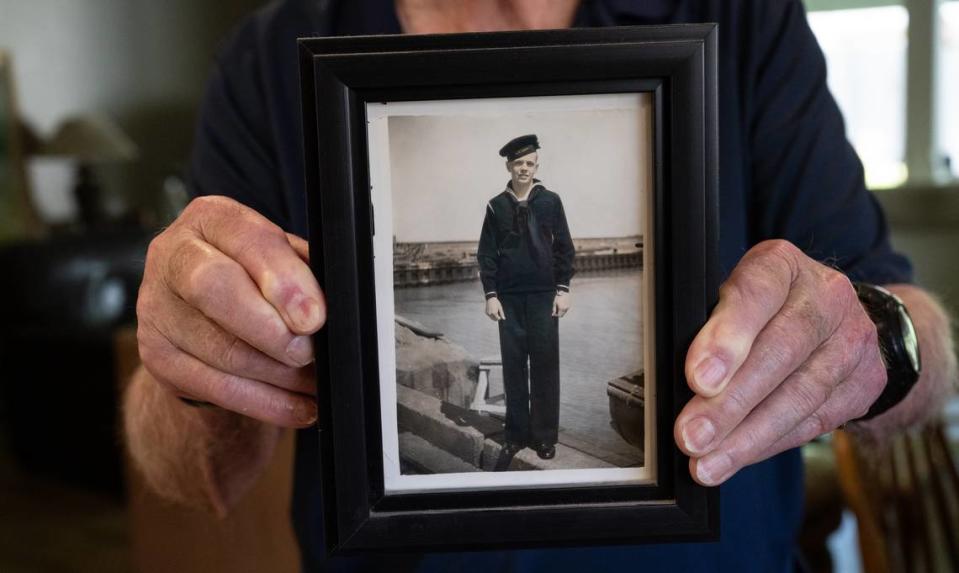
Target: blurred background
{"x":97,"y":104}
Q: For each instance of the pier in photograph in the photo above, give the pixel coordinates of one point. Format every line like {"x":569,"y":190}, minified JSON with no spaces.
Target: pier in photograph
{"x":419,"y":264}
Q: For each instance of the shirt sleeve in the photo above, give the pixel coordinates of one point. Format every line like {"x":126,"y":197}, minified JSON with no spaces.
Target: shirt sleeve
{"x":486,"y":253}
{"x":807,"y":179}
{"x":563,"y":250}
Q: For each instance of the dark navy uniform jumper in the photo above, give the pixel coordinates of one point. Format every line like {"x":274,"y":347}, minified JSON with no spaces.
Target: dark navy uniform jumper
{"x":525,"y":256}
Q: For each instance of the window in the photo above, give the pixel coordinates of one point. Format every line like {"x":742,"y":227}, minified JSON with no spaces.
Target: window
{"x":948,"y":78}
{"x":903,"y":134}
{"x":865,"y":52}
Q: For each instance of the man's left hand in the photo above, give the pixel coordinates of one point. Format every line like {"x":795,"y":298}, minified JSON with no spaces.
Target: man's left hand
{"x":561,"y":303}
{"x":788,"y":354}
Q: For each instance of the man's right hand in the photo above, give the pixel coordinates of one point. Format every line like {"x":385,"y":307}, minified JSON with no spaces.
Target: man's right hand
{"x":226,"y":310}
{"x":494,"y":309}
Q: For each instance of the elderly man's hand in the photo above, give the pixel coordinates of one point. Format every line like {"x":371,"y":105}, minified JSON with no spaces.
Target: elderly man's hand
{"x":788,"y":354}
{"x":226,"y":310}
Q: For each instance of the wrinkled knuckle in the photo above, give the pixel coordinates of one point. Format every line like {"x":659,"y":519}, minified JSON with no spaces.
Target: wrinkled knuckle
{"x":778,"y":249}
{"x":876,"y":379}
{"x":233,"y":354}
{"x":837,"y":293}
{"x":820,"y":424}
{"x":152,"y":345}
{"x":807,"y":432}
{"x":785,"y":344}
{"x":726,"y":342}
{"x":859,"y":337}
{"x":154,"y":355}
{"x":838,"y":288}
{"x":229,"y":391}
{"x":290,"y":378}
{"x":257,"y":237}
{"x":867,"y":339}
{"x":742,"y":289}
{"x":144,"y":305}
{"x":196,"y":283}
{"x":266,"y":228}
{"x":731,"y":290}
{"x":751,"y":443}
{"x":255,"y":229}
{"x":195,"y":208}
{"x":154,"y":251}
{"x":800,"y":319}
{"x":736,"y":403}
{"x":162,"y":259}
{"x":785,"y":354}
{"x":859,"y":404}
{"x":147,"y":345}
{"x":204,"y":206}
{"x":868,"y":334}
{"x":810,"y":393}
{"x":200,"y":283}
{"x":180,"y":264}
{"x":276,"y":331}
{"x":763,"y":281}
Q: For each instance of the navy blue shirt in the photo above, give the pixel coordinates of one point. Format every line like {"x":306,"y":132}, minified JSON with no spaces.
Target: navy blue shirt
{"x":787,"y":172}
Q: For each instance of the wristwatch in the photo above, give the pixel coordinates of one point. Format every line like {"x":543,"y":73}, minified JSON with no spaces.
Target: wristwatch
{"x":898,"y":345}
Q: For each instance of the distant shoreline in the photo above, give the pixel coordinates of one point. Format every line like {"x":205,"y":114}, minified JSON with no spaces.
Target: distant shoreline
{"x":426,"y":264}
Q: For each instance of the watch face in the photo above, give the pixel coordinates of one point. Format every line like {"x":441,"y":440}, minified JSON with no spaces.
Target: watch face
{"x":909,"y":339}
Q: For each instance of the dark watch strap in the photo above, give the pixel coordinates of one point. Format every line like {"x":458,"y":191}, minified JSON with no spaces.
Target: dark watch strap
{"x":897,"y":345}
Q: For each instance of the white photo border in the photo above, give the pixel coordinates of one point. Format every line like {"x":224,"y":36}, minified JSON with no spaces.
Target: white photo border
{"x":394,"y":481}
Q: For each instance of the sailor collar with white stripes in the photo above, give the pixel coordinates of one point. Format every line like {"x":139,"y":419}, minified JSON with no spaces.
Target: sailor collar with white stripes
{"x":537,"y":184}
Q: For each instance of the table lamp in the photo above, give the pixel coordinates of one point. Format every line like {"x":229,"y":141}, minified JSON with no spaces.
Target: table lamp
{"x":90,"y":140}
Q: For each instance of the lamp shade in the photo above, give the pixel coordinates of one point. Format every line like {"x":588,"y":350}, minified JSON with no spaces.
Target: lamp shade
{"x":90,"y":138}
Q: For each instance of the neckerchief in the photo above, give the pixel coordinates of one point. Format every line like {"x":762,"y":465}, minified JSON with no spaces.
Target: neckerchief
{"x":524,"y":223}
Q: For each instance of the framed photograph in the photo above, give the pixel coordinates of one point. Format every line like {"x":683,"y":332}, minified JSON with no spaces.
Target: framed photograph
{"x":516,"y":236}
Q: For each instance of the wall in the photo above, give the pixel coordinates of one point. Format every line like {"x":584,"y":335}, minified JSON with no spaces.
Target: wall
{"x":925,"y":226}
{"x":141,"y":62}
{"x":445,"y":167}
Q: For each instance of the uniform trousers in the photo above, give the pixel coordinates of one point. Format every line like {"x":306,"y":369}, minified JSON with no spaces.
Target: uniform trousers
{"x":529,"y":345}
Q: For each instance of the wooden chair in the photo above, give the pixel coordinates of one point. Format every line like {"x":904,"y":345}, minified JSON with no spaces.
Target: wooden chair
{"x":906,"y":500}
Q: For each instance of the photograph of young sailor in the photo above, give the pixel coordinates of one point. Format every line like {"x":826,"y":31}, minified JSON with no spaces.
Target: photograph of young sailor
{"x":525,"y":256}
{"x":559,"y":389}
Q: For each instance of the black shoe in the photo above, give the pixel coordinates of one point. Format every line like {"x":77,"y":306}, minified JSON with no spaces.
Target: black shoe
{"x":546,"y":452}
{"x":506,"y":454}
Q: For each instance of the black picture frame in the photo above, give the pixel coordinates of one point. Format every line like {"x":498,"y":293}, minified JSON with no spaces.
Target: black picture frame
{"x":677,"y":64}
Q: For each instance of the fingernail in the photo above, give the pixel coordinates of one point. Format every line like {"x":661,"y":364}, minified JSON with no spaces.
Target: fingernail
{"x":698,"y":434}
{"x":710,"y":373}
{"x":304,"y":312}
{"x":305,"y":412}
{"x":300,"y":350}
{"x":712,"y":469}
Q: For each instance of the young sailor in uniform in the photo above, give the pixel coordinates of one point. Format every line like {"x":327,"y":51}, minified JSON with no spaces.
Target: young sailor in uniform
{"x":526,"y":262}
